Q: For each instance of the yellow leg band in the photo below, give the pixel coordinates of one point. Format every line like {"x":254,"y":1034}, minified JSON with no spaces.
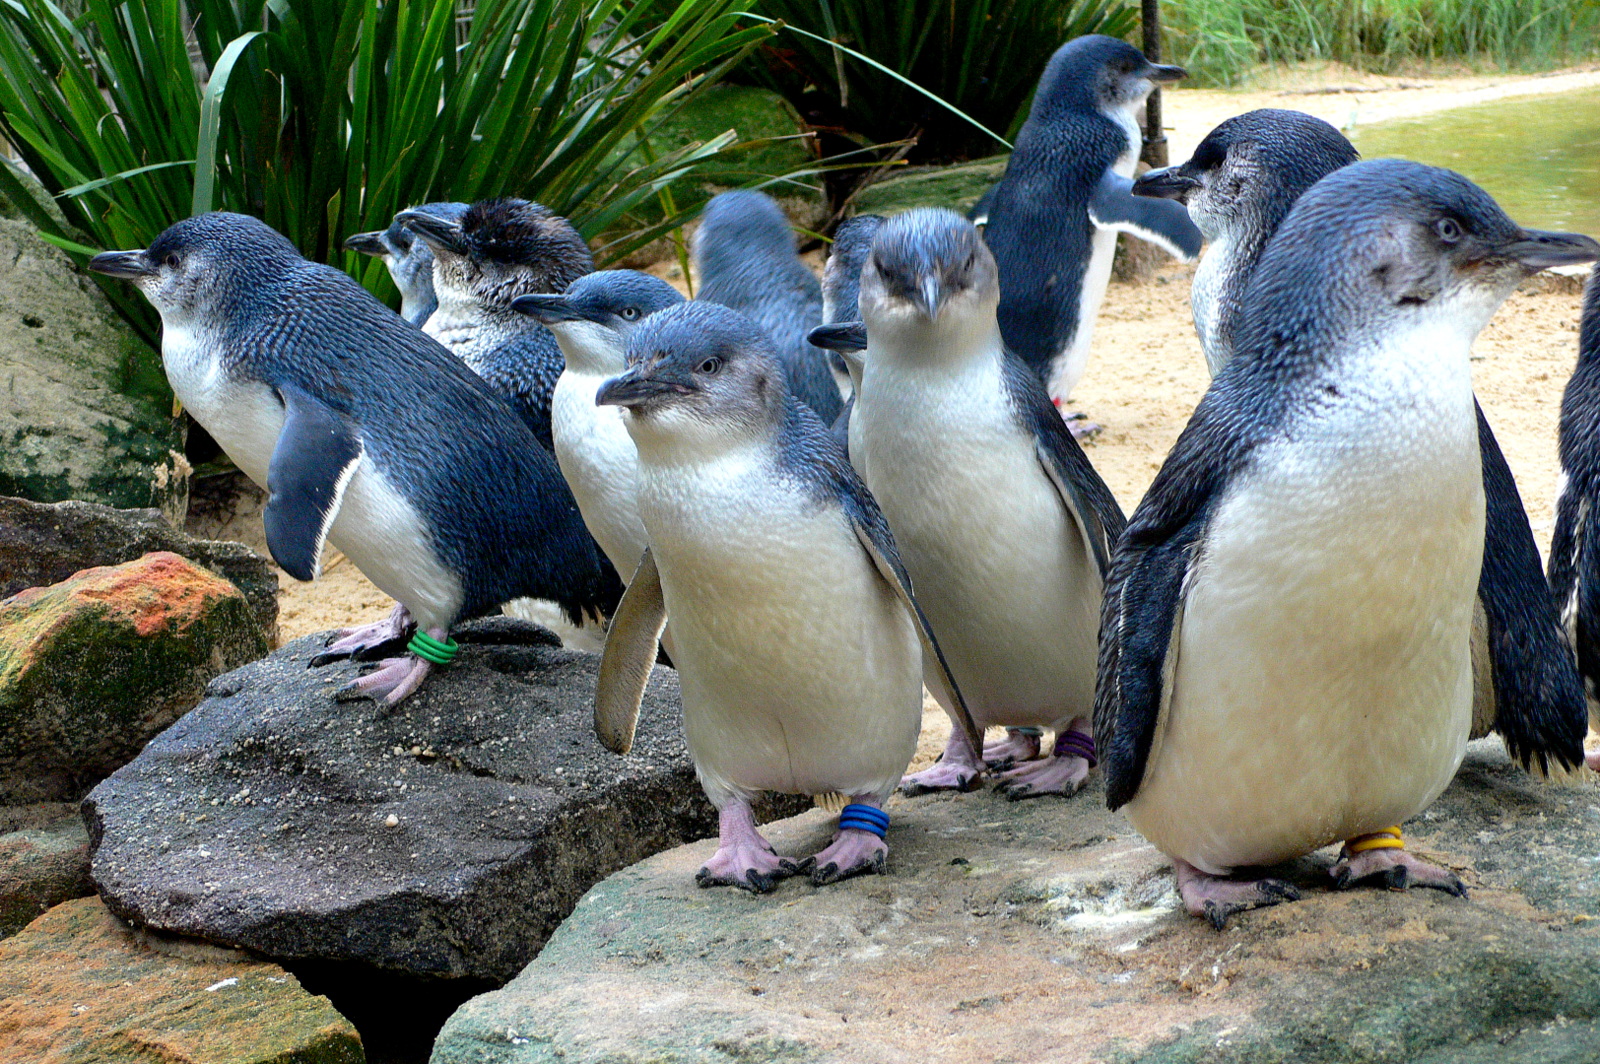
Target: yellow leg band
{"x":1382,"y":839}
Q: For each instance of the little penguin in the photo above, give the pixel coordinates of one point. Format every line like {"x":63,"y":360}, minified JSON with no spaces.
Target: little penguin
{"x":500,"y":249}
{"x":1575,"y":547}
{"x":1003,"y":524}
{"x":744,"y":258}
{"x":798,"y":644}
{"x":1053,"y":218}
{"x":409,"y":260}
{"x":1239,"y":186}
{"x":366,"y":434}
{"x":1285,"y":658}
{"x":592,"y":321}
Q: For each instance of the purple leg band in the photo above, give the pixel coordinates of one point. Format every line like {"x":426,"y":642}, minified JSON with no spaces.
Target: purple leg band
{"x":1076,"y":744}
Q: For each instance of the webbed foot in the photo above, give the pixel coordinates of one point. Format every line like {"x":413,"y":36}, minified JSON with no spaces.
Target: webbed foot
{"x":1020,"y":744}
{"x":1361,"y":859}
{"x":958,"y":769}
{"x":357,"y":642}
{"x":744,"y":859}
{"x":1216,"y":898}
{"x":391,"y":682}
{"x":1063,"y":772}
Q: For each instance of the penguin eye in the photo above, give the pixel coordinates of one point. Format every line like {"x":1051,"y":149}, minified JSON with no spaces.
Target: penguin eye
{"x":709,"y":366}
{"x":630,"y":313}
{"x":172,"y":260}
{"x":1449,"y":230}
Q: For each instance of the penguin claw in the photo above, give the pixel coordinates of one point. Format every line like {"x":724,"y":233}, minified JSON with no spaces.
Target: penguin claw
{"x":753,"y":867}
{"x":1011,"y":750}
{"x":1080,"y":426}
{"x":852,"y":853}
{"x":1217,"y":898}
{"x":1063,"y":775}
{"x":1399,"y":869}
{"x":394,"y":680}
{"x":368,"y":642}
{"x":942,"y":776}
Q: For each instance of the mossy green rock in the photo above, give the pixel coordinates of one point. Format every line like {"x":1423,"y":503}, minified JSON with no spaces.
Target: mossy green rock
{"x":85,"y":412}
{"x":752,"y":114}
{"x":93,"y":667}
{"x":1049,"y":930}
{"x":77,"y":986}
{"x":957,"y":187}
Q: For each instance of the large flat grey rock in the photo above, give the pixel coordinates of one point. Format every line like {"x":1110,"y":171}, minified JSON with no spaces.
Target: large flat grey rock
{"x":444,"y":839}
{"x":1049,"y":931}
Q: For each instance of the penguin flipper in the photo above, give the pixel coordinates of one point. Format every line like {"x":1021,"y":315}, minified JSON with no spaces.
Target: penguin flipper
{"x":629,"y":655}
{"x":317,"y":453}
{"x":1539,"y":705}
{"x":1082,"y":490}
{"x":1164,"y":223}
{"x":874,"y":536}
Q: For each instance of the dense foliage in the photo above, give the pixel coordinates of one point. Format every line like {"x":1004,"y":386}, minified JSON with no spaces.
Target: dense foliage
{"x":325,"y":117}
{"x":1221,"y":40}
{"x":981,"y":56}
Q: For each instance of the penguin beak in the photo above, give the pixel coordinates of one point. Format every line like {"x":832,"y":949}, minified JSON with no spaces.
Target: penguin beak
{"x":840,"y":336}
{"x":1159,"y":73}
{"x":441,"y":234}
{"x":1539,"y":250}
{"x":366,"y":243}
{"x":547,"y":309}
{"x":129,"y":264}
{"x":638,"y":387}
{"x":1169,"y":182}
{"x":931,"y":295}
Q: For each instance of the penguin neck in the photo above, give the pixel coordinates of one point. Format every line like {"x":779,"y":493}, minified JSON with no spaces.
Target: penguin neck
{"x":955,"y":340}
{"x":467,"y":325}
{"x":675,"y":439}
{"x":591,"y":349}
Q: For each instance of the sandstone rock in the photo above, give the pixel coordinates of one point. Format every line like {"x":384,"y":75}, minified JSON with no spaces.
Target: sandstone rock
{"x":44,"y":543}
{"x":446,"y":839}
{"x":85,"y":412}
{"x":92,"y":667}
{"x":78,"y":986}
{"x":956,"y":187}
{"x":1048,"y":930}
{"x":41,"y":865}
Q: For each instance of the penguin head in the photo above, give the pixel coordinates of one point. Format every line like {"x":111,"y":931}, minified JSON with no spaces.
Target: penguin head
{"x":1100,"y":73}
{"x":1251,"y":169}
{"x":747,"y":225}
{"x":699,"y":375}
{"x":200,"y":269}
{"x":409,"y":258}
{"x":1383,"y":242}
{"x":841,"y":277}
{"x":929,"y":274}
{"x":595,"y":315}
{"x":499,"y":249}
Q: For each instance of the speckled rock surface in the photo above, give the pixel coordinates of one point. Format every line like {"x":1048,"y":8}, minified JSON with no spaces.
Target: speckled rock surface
{"x":445,"y":839}
{"x":92,"y":667}
{"x":85,"y":412}
{"x":77,"y":987}
{"x":44,"y":861}
{"x":44,"y":543}
{"x":1049,"y":931}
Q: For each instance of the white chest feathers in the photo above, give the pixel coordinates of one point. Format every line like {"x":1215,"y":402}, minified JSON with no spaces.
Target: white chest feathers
{"x":1322,"y":686}
{"x":601,"y":465}
{"x":243,"y":416}
{"x":801,"y":669}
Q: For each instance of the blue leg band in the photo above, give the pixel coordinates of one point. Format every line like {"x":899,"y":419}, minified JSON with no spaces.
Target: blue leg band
{"x":864,"y":818}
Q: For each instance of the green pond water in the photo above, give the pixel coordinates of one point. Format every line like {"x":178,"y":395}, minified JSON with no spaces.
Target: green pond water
{"x":1539,"y":157}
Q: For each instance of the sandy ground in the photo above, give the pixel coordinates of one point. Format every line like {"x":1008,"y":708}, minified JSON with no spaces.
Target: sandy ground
{"x":1146,"y":372}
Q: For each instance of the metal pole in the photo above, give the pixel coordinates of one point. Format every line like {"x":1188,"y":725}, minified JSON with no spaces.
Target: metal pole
{"x":1155,"y":140}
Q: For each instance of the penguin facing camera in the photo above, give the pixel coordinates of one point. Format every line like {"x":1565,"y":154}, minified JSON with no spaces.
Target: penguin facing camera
{"x":592,"y":321}
{"x":744,"y":258}
{"x":408,"y":260}
{"x":1286,"y":659}
{"x":500,"y":249}
{"x":1575,"y":546}
{"x":1239,"y":186}
{"x":334,"y":405}
{"x":1053,"y":218}
{"x":791,"y":683}
{"x":1002,"y":522}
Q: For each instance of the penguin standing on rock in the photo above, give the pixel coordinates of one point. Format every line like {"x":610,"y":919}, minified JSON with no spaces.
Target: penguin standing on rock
{"x":1002,"y":522}
{"x":592,"y":321}
{"x":409,"y":260}
{"x":366,"y":434}
{"x":1575,"y":546}
{"x":496,"y":251}
{"x":791,"y":682}
{"x":1053,"y":218}
{"x":1286,"y":656}
{"x":744,"y":258}
{"x":1239,"y":186}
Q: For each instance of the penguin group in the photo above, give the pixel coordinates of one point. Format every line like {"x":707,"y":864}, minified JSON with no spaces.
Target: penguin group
{"x":824,"y":498}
